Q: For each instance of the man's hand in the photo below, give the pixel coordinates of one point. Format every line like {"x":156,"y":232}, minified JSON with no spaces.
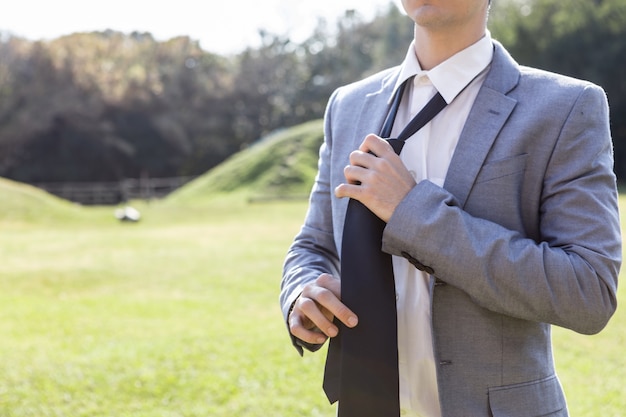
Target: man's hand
{"x":317,"y":306}
{"x":376,"y":177}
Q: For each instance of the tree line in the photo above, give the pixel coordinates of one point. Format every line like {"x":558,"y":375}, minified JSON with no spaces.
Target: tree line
{"x":106,"y":106}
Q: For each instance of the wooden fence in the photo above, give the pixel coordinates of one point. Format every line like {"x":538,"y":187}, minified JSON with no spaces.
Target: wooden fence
{"x":110,"y":193}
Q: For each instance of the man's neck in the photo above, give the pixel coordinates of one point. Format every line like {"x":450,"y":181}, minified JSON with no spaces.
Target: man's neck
{"x":433,"y":47}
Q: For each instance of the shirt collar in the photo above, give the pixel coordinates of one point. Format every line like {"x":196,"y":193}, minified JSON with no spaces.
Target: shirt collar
{"x":454,"y":74}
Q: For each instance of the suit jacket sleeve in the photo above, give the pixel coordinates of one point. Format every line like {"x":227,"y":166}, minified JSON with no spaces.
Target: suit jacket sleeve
{"x":313,"y":251}
{"x":560,"y":268}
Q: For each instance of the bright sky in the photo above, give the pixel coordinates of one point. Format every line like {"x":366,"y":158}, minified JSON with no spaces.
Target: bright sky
{"x":220,"y":26}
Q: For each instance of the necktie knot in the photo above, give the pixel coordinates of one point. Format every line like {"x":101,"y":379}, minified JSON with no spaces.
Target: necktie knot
{"x":396,"y":144}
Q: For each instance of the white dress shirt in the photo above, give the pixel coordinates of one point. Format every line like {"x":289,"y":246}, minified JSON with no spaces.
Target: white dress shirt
{"x":427,"y":155}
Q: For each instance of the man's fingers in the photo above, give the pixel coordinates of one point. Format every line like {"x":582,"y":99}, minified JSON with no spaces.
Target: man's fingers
{"x":377,"y":177}
{"x":319,"y":316}
{"x":331,"y":300}
{"x":330,"y":283}
{"x":376,"y":145}
{"x":355,"y":174}
{"x":298,"y":328}
{"x":372,"y":148}
{"x":311,"y":319}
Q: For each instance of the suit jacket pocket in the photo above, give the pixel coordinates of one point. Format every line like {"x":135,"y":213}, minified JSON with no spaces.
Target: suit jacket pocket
{"x":543,"y":397}
{"x":502,"y":168}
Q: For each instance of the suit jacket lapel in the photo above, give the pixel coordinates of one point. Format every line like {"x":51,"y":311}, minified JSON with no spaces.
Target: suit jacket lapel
{"x":489,"y":113}
{"x":374,"y":109}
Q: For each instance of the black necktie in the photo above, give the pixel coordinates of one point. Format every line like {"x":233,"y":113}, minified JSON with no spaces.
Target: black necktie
{"x":362,"y":363}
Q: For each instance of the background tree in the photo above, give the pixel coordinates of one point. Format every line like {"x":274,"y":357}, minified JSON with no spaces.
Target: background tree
{"x":105,"y":106}
{"x":581,"y":38}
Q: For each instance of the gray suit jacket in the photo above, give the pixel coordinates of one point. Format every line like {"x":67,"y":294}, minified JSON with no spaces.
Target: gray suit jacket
{"x":524,"y":233}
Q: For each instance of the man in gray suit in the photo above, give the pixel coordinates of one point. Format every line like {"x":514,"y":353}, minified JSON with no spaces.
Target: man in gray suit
{"x":501,"y":216}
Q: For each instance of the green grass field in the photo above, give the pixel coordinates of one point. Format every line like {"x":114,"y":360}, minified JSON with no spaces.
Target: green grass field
{"x":178,"y":315}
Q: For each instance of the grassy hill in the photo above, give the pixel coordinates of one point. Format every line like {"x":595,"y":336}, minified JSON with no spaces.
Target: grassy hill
{"x":280,"y":165}
{"x":25,"y":203}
